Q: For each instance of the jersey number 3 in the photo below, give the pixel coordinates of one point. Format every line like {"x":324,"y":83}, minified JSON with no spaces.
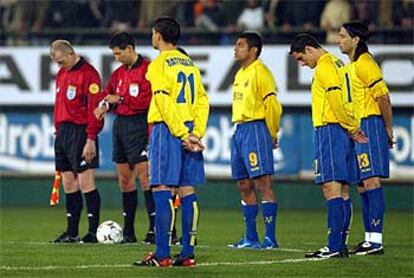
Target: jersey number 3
{"x":182,"y":78}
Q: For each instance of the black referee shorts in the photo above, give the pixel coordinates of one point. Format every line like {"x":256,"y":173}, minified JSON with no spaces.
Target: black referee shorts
{"x":69,"y":143}
{"x":130,"y":139}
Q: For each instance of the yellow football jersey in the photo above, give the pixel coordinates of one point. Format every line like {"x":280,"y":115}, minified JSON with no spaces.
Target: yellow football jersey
{"x":353,"y":99}
{"x":330,"y":94}
{"x":367,"y":85}
{"x":255,"y":97}
{"x":178,"y":94}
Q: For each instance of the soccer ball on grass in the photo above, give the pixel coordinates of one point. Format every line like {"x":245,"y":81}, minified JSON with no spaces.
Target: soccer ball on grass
{"x":109,"y":232}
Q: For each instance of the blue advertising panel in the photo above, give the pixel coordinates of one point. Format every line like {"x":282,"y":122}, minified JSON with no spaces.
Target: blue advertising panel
{"x":26,"y":144}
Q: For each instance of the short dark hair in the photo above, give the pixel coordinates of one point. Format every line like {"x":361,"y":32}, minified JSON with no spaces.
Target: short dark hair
{"x":169,"y":29}
{"x":253,"y":39}
{"x":358,"y":29}
{"x":122,"y":40}
{"x":300,"y":41}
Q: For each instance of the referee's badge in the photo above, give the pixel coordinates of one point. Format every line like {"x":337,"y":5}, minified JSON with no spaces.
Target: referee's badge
{"x":134,"y":89}
{"x":71,"y":92}
{"x":94,"y":88}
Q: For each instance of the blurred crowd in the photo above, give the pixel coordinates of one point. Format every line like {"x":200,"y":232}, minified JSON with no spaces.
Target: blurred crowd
{"x":31,"y":16}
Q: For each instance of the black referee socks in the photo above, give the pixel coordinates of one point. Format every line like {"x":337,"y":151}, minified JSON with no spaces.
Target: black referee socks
{"x":74,"y":204}
{"x":93,"y":204}
{"x":129,"y":203}
{"x":149,"y":203}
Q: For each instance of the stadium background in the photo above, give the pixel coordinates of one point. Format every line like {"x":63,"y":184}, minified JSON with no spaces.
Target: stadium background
{"x":26,"y":122}
{"x":209,"y":32}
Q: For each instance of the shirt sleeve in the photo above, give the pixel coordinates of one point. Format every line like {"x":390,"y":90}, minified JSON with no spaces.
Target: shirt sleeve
{"x":55,"y":108}
{"x":268,"y":91}
{"x":110,"y":87}
{"x":92,"y":87}
{"x":201,"y":110}
{"x":166,"y":105}
{"x":370,"y":74}
{"x":331,"y":83}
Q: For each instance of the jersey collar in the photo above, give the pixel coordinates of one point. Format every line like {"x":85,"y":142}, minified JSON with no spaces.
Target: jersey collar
{"x":323,"y":57}
{"x":79,"y":64}
{"x":137,"y":63}
{"x":255,"y":62}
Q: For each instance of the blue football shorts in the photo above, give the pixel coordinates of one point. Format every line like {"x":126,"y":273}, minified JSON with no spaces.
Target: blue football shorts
{"x":251,"y":151}
{"x":335,"y":158}
{"x":374,"y":156}
{"x":169,"y":163}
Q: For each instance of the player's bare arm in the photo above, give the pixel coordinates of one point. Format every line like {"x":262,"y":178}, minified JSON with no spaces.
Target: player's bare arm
{"x":384,"y":104}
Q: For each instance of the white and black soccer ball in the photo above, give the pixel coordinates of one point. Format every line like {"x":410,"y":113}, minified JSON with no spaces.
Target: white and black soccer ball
{"x":109,"y":232}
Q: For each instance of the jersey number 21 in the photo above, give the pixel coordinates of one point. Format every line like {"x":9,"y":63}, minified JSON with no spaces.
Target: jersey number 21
{"x":183,"y":78}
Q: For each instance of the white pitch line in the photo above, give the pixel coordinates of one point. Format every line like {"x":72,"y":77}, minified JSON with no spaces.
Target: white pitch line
{"x":289,"y":250}
{"x":54,"y":267}
{"x":258,"y":250}
{"x":29,"y":242}
{"x":197,"y":247}
{"x":286,"y":261}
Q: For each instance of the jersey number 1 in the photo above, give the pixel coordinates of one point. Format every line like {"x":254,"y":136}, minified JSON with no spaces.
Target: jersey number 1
{"x":182,"y":78}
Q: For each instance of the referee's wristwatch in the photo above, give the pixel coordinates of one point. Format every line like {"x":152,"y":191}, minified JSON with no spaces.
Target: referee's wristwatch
{"x":121,"y":99}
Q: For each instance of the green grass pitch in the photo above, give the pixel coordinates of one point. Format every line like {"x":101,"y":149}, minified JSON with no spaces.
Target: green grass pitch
{"x":25,"y":251}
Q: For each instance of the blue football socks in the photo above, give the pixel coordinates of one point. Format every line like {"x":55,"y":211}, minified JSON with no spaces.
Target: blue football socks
{"x":376,"y":215}
{"x":189,"y":223}
{"x":269,"y":211}
{"x":365,"y":213}
{"x":347,"y":221}
{"x":335,"y":223}
{"x":164,"y":216}
{"x":250,"y":218}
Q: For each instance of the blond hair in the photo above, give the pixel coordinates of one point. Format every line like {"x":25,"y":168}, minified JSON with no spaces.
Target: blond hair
{"x":63,"y":46}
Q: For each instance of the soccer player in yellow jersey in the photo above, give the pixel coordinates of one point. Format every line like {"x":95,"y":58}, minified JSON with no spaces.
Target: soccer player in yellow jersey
{"x":178,"y":112}
{"x":374,"y":111}
{"x":256,"y":115}
{"x":335,"y":162}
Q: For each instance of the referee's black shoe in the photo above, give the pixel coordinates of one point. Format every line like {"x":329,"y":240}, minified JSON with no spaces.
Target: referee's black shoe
{"x":89,"y":238}
{"x":127,"y":239}
{"x":66,"y":238}
{"x":149,"y":238}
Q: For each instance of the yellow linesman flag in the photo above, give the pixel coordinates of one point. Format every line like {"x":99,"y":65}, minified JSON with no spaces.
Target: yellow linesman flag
{"x":54,"y":196}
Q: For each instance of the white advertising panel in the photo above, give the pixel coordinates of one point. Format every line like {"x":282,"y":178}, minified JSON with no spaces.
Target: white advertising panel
{"x":27,"y":74}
